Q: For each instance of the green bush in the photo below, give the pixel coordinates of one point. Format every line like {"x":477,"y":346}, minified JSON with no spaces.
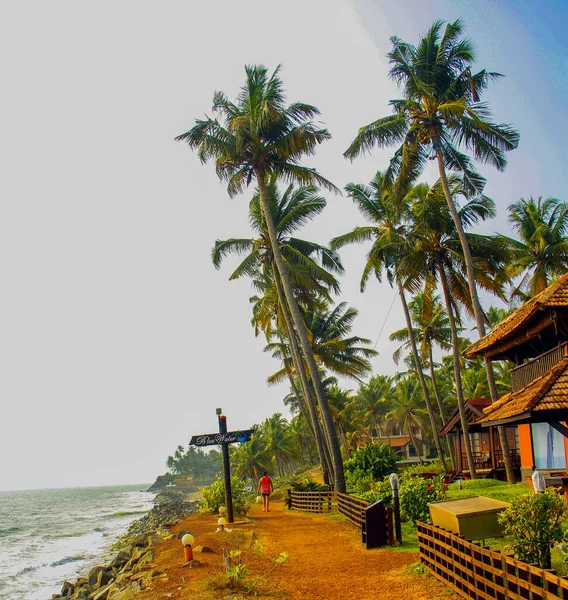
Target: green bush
{"x":376,"y":460}
{"x":308,"y":485}
{"x":213,"y":496}
{"x":381,"y":490}
{"x":534,"y":522}
{"x":415,"y":494}
{"x":435,"y":468}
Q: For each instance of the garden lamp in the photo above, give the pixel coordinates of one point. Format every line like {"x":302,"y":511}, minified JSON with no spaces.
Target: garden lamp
{"x":187,"y":541}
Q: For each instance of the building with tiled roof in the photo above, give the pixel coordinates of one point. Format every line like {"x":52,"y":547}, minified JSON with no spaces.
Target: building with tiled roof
{"x":485,"y":445}
{"x":535,"y":338}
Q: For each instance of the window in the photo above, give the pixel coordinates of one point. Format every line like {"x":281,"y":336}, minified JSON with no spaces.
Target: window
{"x":548,"y":447}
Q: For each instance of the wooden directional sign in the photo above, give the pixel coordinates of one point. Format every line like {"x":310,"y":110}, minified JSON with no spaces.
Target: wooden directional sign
{"x":215,"y":439}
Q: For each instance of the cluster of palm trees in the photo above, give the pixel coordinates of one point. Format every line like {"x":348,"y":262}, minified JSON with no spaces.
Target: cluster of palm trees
{"x":277,"y":446}
{"x":418,"y":235}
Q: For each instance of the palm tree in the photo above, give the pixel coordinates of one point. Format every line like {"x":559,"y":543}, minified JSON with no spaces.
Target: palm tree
{"x":342,"y":407}
{"x":386,"y":209}
{"x":437,"y":243}
{"x":441,"y":112}
{"x":542,"y":252}
{"x":279,"y":440}
{"x":407,"y":411}
{"x":431,"y":328}
{"x":251,"y":459}
{"x":260,"y":137}
{"x":373,"y":400}
{"x":308,"y":264}
{"x":332,"y":346}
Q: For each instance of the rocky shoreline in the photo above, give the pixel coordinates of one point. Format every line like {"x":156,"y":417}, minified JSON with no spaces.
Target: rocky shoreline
{"x":133,"y":568}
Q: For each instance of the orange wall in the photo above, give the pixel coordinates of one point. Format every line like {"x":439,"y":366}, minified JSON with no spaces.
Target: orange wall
{"x":525,"y":443}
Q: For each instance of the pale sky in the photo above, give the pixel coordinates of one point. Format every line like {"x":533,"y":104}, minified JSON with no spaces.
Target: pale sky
{"x":118,"y":338}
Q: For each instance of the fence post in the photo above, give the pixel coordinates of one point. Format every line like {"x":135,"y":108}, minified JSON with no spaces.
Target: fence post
{"x":393,"y":477}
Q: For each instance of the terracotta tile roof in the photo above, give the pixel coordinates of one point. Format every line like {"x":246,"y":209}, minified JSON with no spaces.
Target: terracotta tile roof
{"x":473,"y":408}
{"x":396,"y":442}
{"x":548,"y":392}
{"x":554,"y":295}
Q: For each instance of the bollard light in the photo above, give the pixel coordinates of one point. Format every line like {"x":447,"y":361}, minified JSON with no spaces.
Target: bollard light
{"x":539,"y":482}
{"x":222,"y":510}
{"x":187,"y":541}
{"x":222,"y":522}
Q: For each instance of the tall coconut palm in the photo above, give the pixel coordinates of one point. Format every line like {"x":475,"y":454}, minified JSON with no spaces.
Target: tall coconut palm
{"x":441,"y":112}
{"x":310,"y":266}
{"x":333,"y":346}
{"x":383,"y":205}
{"x":259,"y":137}
{"x":251,"y":459}
{"x":343,"y":409}
{"x":437,"y":242}
{"x":407,"y":411}
{"x":541,"y":254}
{"x":373,"y":402}
{"x":431,"y":328}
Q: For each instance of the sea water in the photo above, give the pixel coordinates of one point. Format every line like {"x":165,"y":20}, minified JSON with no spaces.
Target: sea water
{"x":49,"y":536}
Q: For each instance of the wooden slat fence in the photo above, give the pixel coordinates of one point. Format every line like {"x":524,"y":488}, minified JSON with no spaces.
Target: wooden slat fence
{"x":478,"y":573}
{"x":351,"y":507}
{"x":318,"y":502}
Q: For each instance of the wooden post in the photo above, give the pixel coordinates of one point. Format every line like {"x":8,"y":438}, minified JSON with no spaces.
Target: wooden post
{"x":459,"y":457}
{"x":226,"y":469}
{"x":492,"y":451}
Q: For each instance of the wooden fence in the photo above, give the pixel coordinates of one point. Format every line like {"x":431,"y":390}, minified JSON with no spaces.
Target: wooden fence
{"x":375,"y":520}
{"x":475,"y":572}
{"x":351,"y":508}
{"x":318,"y":502}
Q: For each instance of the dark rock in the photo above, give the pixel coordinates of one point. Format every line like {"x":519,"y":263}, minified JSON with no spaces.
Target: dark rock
{"x":67,"y":589}
{"x":103,"y":578}
{"x":121,"y":558}
{"x":207,"y":549}
{"x":94,"y":575}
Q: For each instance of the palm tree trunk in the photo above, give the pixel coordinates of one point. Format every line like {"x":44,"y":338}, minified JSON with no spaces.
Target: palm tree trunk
{"x":321,"y":444}
{"x":420,"y":374}
{"x":479,"y":318}
{"x":441,"y":408}
{"x":301,"y":329}
{"x":457,"y":372}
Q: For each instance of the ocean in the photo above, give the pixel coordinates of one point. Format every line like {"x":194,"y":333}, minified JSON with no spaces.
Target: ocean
{"x":49,"y":536}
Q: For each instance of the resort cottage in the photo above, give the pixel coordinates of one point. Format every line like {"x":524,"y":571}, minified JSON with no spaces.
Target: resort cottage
{"x":535,"y":338}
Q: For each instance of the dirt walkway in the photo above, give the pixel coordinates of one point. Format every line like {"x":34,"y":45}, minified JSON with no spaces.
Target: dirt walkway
{"x":327,"y":562}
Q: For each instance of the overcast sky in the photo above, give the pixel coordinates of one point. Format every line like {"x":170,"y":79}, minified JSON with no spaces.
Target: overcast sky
{"x":118,"y":338}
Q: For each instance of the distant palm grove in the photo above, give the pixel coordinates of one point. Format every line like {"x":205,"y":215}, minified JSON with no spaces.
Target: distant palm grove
{"x":418,"y":235}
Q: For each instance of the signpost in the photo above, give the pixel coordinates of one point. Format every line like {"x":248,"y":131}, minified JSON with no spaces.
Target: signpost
{"x":223,"y":439}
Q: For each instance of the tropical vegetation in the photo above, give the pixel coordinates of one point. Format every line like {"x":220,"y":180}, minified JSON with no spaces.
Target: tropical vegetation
{"x":420,"y":236}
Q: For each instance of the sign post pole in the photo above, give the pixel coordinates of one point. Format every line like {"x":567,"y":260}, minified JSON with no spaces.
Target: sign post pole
{"x":226,"y":467}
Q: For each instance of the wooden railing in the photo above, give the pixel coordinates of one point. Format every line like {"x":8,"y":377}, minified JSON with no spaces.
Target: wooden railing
{"x":482,"y":460}
{"x":374,"y":519}
{"x":351,"y":507}
{"x":536,"y":367}
{"x":318,"y":502}
{"x":475,"y":572}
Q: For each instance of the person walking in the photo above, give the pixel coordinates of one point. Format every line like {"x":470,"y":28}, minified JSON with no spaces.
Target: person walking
{"x":265,"y":488}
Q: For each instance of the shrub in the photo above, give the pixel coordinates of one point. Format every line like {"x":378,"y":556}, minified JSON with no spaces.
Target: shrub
{"x":308,"y":485}
{"x":534,"y":522}
{"x":381,"y":490}
{"x":376,"y":460}
{"x":415,"y":494}
{"x":435,"y":468}
{"x":213,"y":496}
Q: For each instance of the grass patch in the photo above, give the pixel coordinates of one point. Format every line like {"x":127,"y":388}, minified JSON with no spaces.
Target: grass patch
{"x":490,"y":488}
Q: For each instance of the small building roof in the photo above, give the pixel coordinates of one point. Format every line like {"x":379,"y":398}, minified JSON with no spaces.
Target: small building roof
{"x":524,"y":323}
{"x":473,"y":408}
{"x":544,"y":399}
{"x":397,"y":442}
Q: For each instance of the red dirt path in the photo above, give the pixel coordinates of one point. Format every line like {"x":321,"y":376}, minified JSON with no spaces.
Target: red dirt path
{"x":327,"y":562}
